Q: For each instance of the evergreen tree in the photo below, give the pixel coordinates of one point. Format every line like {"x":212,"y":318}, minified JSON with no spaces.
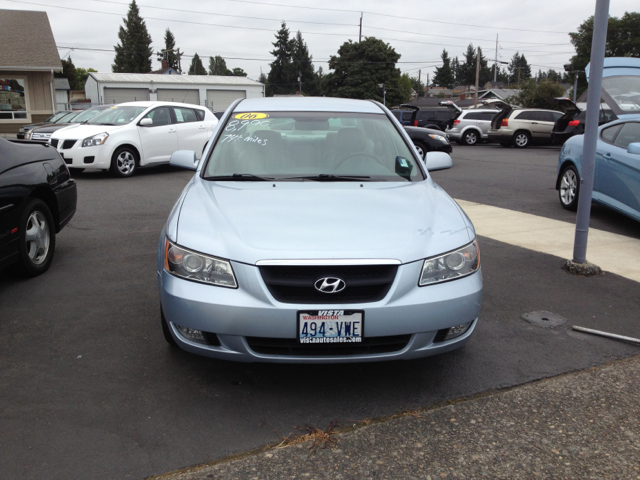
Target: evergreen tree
{"x":282,"y":79}
{"x":69,"y":72}
{"x":218,"y":66}
{"x":196,"y":67}
{"x":133,"y":52}
{"x":457,"y":73}
{"x":360,"y":67}
{"x":238,"y":72}
{"x":444,"y":76}
{"x":264,"y":80}
{"x":170,"y":53}
{"x":301,"y":63}
{"x":519,"y":69}
{"x":467,"y":74}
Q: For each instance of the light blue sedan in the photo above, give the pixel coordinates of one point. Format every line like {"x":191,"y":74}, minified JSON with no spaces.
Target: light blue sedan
{"x":312,"y":232}
{"x":617,"y":170}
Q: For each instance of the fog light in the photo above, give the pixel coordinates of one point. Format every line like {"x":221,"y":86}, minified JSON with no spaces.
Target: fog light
{"x":457,"y":331}
{"x":191,"y":334}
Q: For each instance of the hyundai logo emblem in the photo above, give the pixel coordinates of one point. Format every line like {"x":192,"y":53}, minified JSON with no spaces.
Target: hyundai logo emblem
{"x":330,"y":285}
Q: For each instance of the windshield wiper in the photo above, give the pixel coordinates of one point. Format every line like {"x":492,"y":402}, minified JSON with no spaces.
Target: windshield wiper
{"x":325,"y":177}
{"x":240,"y":177}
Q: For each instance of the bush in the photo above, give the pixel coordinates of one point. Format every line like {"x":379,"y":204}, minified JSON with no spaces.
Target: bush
{"x":538,"y":95}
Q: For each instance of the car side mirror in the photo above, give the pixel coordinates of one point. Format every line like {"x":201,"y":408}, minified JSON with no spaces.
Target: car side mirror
{"x":438,"y":161}
{"x":146,"y":122}
{"x":634,"y":148}
{"x":184,"y":159}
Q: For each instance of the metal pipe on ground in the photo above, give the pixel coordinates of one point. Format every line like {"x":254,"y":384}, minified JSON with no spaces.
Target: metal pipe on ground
{"x":635,"y":341}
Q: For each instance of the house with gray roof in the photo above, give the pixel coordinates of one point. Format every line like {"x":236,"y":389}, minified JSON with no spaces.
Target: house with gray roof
{"x":28,"y":59}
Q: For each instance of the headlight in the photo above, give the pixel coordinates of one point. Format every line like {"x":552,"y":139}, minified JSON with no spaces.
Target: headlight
{"x":198,"y":267}
{"x":98,"y":139}
{"x":438,"y":137}
{"x":452,"y":265}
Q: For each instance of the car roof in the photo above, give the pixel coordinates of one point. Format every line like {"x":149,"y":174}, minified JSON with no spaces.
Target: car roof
{"x":308,"y":104}
{"x":481,"y":110}
{"x":156,"y":104}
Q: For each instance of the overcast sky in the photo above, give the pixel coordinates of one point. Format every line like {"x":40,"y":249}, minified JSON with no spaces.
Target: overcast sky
{"x":242,"y":31}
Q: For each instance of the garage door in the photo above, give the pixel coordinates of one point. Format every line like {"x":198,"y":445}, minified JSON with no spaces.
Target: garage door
{"x":120,"y":95}
{"x":219,"y":100}
{"x":178,"y":95}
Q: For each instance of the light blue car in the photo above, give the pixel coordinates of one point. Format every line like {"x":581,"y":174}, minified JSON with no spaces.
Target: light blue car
{"x":312,"y":232}
{"x":617,"y":170}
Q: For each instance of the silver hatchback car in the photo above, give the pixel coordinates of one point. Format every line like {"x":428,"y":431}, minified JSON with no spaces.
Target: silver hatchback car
{"x":312,"y":232}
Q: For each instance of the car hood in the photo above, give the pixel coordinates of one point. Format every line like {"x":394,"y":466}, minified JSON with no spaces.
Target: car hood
{"x":83,"y":131}
{"x":248,"y":222}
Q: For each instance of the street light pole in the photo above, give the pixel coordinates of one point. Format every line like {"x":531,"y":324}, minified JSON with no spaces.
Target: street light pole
{"x":575,"y":85}
{"x":591,"y":130}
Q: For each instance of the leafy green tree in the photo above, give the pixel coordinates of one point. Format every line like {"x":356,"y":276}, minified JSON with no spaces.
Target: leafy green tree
{"x":301,"y":63}
{"x":170,"y":53}
{"x":81,"y":77}
{"x":360,"y":67}
{"x":133,"y":52}
{"x":501,"y":76}
{"x":538,"y":95}
{"x":282,"y":78}
{"x":418,"y":86}
{"x":623,"y":40}
{"x":405,"y":85}
{"x":218,"y":66}
{"x":444,"y":76}
{"x":196,"y":67}
{"x":238,"y":72}
{"x":519,"y":69}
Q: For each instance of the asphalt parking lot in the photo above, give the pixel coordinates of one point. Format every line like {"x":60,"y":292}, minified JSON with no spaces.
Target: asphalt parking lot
{"x":91,"y":390}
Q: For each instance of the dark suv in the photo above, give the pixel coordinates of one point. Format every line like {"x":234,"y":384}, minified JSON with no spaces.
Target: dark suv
{"x":436,"y":118}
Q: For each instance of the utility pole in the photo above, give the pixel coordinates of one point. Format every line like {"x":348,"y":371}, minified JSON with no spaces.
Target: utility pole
{"x":427,"y":92}
{"x":419,"y":84}
{"x":596,"y":66}
{"x":575,"y":85}
{"x":475,"y":102}
{"x":495,"y":63}
{"x":360,"y":34}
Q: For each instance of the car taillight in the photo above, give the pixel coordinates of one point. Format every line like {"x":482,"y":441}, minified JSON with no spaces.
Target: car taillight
{"x":505,"y":122}
{"x":415,"y":123}
{"x":574,"y":123}
{"x":455,"y":122}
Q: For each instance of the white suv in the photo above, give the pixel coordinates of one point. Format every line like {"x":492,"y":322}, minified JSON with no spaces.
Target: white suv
{"x":135,"y":134}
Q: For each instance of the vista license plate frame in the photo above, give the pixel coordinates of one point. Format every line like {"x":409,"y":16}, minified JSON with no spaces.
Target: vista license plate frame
{"x":319,"y":327}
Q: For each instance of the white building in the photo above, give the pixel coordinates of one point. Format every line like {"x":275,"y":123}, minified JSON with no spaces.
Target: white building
{"x":216,"y":92}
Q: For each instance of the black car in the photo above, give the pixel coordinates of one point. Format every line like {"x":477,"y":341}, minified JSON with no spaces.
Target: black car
{"x":573,"y":121}
{"x":435,"y":118}
{"x":43,"y":133}
{"x":37,"y":199}
{"x":425,"y":139}
{"x":52,"y":119}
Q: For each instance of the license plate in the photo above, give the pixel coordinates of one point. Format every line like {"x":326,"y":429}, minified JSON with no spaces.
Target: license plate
{"x":331,"y":326}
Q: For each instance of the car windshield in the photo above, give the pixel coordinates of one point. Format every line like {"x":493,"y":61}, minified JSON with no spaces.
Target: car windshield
{"x":117,"y":115}
{"x":66,"y":117}
{"x":86,"y":115}
{"x":625,"y":91}
{"x":311,"y":146}
{"x":56,"y":117}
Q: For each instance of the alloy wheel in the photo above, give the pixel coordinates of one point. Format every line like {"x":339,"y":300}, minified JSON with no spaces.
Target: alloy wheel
{"x":125,"y":162}
{"x":37,"y":237}
{"x":521,"y":140}
{"x":568,"y":187}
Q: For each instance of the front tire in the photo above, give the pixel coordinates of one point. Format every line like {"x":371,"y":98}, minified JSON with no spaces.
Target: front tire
{"x":37,"y":240}
{"x":124,"y":162}
{"x":470,"y":137}
{"x":521,"y":139}
{"x":422,"y":151}
{"x":569,"y":190}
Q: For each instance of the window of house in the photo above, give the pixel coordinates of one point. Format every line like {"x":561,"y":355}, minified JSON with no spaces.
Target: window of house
{"x":13,"y":103}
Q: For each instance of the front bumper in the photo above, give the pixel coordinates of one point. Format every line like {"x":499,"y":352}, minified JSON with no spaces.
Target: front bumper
{"x":251,"y":311}
{"x":77,"y":156}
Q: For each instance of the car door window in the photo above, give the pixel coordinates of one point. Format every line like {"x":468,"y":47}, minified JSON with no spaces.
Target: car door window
{"x":185,"y":115}
{"x":160,"y":116}
{"x":629,"y":133}
{"x":525,"y":116}
{"x":608,"y":134}
{"x":445,"y":115}
{"x":472,"y":116}
{"x":487,"y":116}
